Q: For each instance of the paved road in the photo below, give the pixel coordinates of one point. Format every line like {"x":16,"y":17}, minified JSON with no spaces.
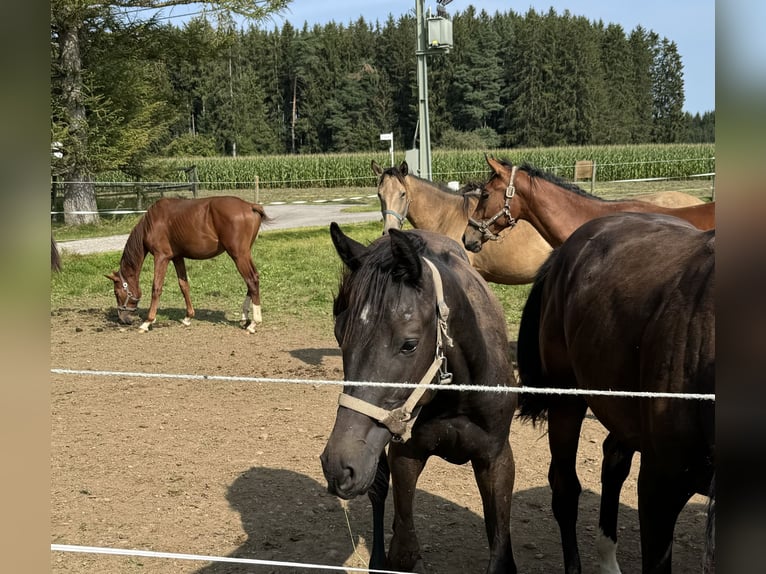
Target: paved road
{"x":283,"y":217}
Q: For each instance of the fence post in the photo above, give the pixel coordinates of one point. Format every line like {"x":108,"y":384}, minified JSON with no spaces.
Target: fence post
{"x":586,"y":169}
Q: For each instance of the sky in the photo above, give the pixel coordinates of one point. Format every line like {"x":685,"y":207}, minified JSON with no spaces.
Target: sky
{"x":688,"y":23}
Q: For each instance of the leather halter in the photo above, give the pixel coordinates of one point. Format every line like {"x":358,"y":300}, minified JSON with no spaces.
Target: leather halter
{"x":128,"y":296}
{"x":400,"y":217}
{"x":483,"y":226}
{"x":399,"y":421}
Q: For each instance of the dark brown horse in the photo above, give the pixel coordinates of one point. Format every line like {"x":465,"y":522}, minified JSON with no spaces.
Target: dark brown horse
{"x":626,"y":304}
{"x":553,"y":206}
{"x":556,"y":208}
{"x":411,"y":309}
{"x":175,"y":229}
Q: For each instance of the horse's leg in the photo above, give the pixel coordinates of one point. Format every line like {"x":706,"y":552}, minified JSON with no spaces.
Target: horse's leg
{"x":495,"y":479}
{"x":160,"y":267}
{"x":183,"y":283}
{"x":245,"y":319}
{"x":614,"y":470}
{"x":565,"y":416}
{"x":377,"y":494}
{"x":661,"y":497}
{"x":404,"y":552}
{"x":250,"y":274}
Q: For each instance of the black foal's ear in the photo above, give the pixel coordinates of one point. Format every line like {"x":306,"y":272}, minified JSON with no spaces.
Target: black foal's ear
{"x":407,"y":265}
{"x":351,"y":252}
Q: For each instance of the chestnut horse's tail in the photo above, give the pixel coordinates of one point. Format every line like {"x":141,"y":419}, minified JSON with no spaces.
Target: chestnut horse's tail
{"x":258,"y":208}
{"x":532,"y":406}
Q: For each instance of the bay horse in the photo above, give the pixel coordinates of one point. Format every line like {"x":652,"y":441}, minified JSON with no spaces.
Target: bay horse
{"x":554,"y":206}
{"x":626,"y":304}
{"x":410,"y":308}
{"x":427,"y":205}
{"x":174,"y":229}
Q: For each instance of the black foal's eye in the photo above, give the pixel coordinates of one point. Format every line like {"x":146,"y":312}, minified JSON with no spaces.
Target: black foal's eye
{"x":409,"y":346}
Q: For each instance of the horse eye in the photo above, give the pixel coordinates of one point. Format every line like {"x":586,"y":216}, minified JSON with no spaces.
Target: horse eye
{"x":409,"y":346}
{"x":403,"y":194}
{"x":484,"y":194}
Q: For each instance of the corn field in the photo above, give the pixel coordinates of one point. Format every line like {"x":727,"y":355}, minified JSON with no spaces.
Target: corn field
{"x":353,"y":170}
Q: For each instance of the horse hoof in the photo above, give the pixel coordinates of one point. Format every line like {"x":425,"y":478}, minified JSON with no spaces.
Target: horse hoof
{"x":186,"y":321}
{"x":251,"y":328}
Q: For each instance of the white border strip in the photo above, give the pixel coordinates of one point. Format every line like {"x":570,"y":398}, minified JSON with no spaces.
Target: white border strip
{"x":203,"y":558}
{"x":496,"y":389}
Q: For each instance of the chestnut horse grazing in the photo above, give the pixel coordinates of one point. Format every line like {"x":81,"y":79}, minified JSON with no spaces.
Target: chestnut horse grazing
{"x":174,"y":229}
{"x":626,"y":304}
{"x":552,"y":205}
{"x":514,"y":260}
{"x":411,"y":309}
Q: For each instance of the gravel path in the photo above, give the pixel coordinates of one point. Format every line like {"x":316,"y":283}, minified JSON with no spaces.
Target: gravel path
{"x":283,"y":217}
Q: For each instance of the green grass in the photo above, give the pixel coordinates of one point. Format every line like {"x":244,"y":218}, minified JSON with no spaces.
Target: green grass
{"x":299,"y":277}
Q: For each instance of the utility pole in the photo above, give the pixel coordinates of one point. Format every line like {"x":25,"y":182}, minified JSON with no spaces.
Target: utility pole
{"x":424,"y":144}
{"x":434,"y":34}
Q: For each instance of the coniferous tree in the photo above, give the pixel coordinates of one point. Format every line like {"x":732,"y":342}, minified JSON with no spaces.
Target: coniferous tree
{"x":617,"y":119}
{"x":668,"y":93}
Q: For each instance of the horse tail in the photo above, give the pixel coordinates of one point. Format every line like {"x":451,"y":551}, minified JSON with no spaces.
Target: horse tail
{"x":532,"y":406}
{"x":258,"y":208}
{"x":55,"y":256}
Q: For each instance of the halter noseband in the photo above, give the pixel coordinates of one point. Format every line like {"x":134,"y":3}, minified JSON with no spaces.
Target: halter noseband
{"x":483,"y":226}
{"x":400,"y":217}
{"x":399,"y":421}
{"x":128,"y":296}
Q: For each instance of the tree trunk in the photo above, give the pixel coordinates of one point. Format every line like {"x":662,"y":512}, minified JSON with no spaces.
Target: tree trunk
{"x":79,"y":192}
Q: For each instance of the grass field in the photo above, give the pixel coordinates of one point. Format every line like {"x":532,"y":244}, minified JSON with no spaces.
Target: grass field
{"x":299,"y":277}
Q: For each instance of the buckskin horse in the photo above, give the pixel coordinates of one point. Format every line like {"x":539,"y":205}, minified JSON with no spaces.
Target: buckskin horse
{"x":173,"y":229}
{"x":411,"y":309}
{"x":427,"y":205}
{"x":626,"y":304}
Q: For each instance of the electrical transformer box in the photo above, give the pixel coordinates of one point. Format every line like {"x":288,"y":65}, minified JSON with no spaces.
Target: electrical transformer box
{"x":439,"y":33}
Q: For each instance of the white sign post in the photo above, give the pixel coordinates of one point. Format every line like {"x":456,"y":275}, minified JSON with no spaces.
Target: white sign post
{"x":390,"y":138}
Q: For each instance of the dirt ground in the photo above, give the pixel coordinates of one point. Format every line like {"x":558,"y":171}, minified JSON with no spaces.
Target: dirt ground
{"x":232,"y":468}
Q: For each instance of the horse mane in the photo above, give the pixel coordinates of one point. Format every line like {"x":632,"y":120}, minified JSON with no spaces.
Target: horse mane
{"x":133,"y":254}
{"x":537,"y":173}
{"x":372,"y":283}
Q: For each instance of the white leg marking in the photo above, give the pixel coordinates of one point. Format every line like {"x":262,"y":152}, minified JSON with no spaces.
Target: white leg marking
{"x":257,"y":318}
{"x":186,"y":321}
{"x":607,"y":554}
{"x":144,"y":328}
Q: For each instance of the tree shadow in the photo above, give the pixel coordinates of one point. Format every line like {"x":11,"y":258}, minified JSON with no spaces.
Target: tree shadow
{"x":287,"y":516}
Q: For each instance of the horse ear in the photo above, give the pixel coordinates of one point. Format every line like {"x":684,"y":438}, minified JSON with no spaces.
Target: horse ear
{"x":112,"y":276}
{"x":494,"y":164}
{"x":404,"y":168}
{"x":351,"y":252}
{"x":376,"y":169}
{"x":407,"y":266}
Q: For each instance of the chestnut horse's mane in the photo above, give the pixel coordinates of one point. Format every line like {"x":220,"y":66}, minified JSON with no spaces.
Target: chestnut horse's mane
{"x":134,"y":252}
{"x":535,"y":173}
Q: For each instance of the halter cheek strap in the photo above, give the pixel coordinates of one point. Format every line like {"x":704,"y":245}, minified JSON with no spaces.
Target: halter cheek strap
{"x":128,"y":296}
{"x":399,"y":421}
{"x":483,"y":226}
{"x":400,"y":217}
